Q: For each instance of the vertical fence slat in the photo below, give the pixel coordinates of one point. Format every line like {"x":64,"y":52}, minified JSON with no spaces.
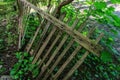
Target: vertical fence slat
{"x":76,"y":65}
{"x":44,"y":45}
{"x":66,"y":62}
{"x":54,"y":42}
{"x":74,"y":24}
{"x":91,"y":31}
{"x":35,"y":35}
{"x":80,"y":61}
{"x":54,"y":54}
{"x":58,"y":60}
{"x":62,"y":54}
{"x":99,"y":38}
{"x":42,"y":36}
{"x":82,"y":26}
{"x":51,"y":47}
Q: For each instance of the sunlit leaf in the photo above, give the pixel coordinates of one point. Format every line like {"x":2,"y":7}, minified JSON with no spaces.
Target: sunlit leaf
{"x":100,"y":5}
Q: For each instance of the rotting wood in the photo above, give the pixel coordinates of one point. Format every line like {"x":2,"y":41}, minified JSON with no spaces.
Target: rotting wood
{"x":66,"y":36}
{"x":58,"y":60}
{"x":76,"y":65}
{"x":54,"y":54}
{"x":42,"y":36}
{"x":91,"y":31}
{"x":81,"y":60}
{"x":63,"y":53}
{"x":44,"y":45}
{"x":68,"y":60}
{"x":66,"y":63}
{"x":82,"y":40}
{"x":76,"y":36}
{"x":51,"y":47}
{"x":54,"y":42}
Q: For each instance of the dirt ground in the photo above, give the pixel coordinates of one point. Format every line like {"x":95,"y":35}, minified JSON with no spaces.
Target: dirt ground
{"x":7,"y":49}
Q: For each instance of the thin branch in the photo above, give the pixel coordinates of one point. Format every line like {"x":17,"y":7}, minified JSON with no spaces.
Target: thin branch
{"x":66,"y":2}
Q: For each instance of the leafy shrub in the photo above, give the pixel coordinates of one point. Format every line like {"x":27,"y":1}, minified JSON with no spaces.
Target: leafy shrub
{"x":95,"y":68}
{"x":24,"y":69}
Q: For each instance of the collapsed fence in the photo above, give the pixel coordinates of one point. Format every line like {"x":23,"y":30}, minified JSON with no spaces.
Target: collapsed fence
{"x":53,"y":52}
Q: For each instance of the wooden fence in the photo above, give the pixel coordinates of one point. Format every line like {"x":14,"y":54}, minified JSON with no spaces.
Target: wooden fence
{"x":53,"y":51}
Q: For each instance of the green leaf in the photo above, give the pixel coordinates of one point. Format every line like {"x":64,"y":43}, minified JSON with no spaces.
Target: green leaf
{"x":35,"y":72}
{"x":106,"y":57}
{"x":110,"y":39}
{"x":12,"y":72}
{"x":18,"y":55}
{"x":16,"y":77}
{"x":31,"y":59}
{"x":16,"y":66}
{"x":100,"y":5}
{"x":114,"y":31}
{"x":20,"y":72}
{"x":115,"y":1}
{"x":25,"y":54}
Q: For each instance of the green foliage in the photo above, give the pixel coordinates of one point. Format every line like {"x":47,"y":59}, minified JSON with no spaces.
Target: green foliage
{"x":106,"y":56}
{"x":104,"y":13}
{"x":2,"y":46}
{"x":31,"y":22}
{"x":2,"y":69}
{"x":115,"y":1}
{"x":31,"y":25}
{"x":95,"y":68}
{"x":100,"y":5}
{"x":24,"y":69}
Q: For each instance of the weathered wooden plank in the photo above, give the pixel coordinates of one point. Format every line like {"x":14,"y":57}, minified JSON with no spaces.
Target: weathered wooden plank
{"x":66,"y":62}
{"x":54,"y":42}
{"x":51,"y":47}
{"x":44,"y":45}
{"x":80,"y":61}
{"x":82,"y":26}
{"x":29,"y":45}
{"x":56,"y":51}
{"x":58,"y":60}
{"x":82,"y":40}
{"x":75,"y":23}
{"x":42,"y":36}
{"x":91,"y":31}
{"x":76,"y":65}
{"x":99,"y":37}
{"x":64,"y":51}
{"x":54,"y":54}
{"x":34,"y":37}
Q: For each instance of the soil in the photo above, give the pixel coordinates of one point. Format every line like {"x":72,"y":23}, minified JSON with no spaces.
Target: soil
{"x":7,"y":51}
